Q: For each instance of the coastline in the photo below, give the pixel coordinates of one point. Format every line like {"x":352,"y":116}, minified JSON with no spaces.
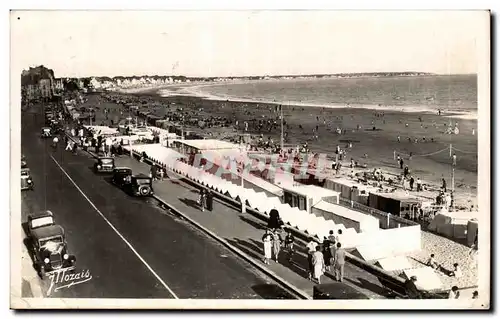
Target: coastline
{"x":195,"y":90}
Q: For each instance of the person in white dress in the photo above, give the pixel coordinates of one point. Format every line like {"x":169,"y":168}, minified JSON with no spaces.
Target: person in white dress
{"x":318,"y":264}
{"x":267,"y":239}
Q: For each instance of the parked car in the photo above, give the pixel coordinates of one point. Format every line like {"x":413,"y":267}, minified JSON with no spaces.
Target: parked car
{"x":337,"y":290}
{"x":26,"y":180}
{"x":104,"y":165}
{"x":141,"y":185}
{"x":48,"y":244}
{"x":46,"y":132}
{"x":122,"y":176}
{"x":135,"y":185}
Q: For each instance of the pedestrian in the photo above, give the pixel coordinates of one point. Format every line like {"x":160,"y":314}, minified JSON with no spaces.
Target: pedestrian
{"x":331,"y":236}
{"x":274,"y":221}
{"x":454,"y":159}
{"x":289,"y":245}
{"x":202,"y":200}
{"x":327,"y":254}
{"x":406,"y":171}
{"x":276,"y":244}
{"x":267,"y":240}
{"x":311,"y":249}
{"x":338,"y":238}
{"x":443,"y":185}
{"x":401,"y":162}
{"x":411,"y":289}
{"x":318,"y":264}
{"x":419,"y":184}
{"x":412,"y":181}
{"x":431,"y":262}
{"x":339,"y":262}
{"x":454,"y":293}
{"x":69,"y":147}
{"x":456,"y":272}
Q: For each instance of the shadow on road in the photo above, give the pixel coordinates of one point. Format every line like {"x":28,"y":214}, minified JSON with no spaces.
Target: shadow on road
{"x":270,"y":291}
{"x":362,"y":283}
{"x":189,"y":202}
{"x":252,"y":223}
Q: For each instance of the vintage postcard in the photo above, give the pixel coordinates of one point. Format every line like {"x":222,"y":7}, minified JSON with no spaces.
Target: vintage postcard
{"x":250,"y":159}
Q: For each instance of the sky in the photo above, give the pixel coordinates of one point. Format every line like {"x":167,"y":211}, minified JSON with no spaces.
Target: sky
{"x":240,"y":43}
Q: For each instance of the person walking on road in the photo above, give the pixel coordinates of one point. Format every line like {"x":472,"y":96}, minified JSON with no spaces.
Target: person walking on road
{"x":210,"y":201}
{"x":276,"y":244}
{"x":289,"y":245}
{"x":318,"y":264}
{"x":69,"y":147}
{"x":339,"y":263}
{"x":55,"y":140}
{"x":267,"y":240}
{"x":311,"y":249}
{"x":202,"y":200}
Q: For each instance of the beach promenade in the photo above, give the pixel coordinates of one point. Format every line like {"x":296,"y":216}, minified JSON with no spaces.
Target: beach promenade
{"x":244,"y":232}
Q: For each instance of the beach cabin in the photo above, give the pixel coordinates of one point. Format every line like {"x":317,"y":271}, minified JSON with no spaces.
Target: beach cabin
{"x":341,"y":215}
{"x":304,"y":197}
{"x":348,"y":188}
{"x":397,"y":203}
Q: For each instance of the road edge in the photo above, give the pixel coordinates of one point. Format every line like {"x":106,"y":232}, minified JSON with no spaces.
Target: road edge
{"x":235,"y":250}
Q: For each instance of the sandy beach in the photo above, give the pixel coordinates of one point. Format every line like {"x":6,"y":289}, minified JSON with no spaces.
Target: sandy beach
{"x":430,"y":160}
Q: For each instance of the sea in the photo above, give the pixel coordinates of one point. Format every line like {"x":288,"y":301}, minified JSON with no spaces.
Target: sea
{"x":451,"y":93}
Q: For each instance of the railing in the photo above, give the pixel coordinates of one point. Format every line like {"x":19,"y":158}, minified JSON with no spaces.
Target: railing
{"x":387,"y":220}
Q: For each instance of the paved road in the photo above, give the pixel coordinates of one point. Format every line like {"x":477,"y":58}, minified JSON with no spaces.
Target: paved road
{"x":131,"y":248}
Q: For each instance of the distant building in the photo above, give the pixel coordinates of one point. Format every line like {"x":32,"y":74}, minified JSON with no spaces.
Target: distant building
{"x":37,"y":83}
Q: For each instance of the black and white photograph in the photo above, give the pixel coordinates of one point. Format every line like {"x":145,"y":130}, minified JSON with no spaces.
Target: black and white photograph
{"x":264,"y":159}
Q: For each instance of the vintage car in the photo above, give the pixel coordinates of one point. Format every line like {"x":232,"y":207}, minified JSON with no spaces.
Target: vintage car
{"x":135,"y":185}
{"x":48,"y":243}
{"x":337,"y":290}
{"x":141,"y":185}
{"x":104,"y":165}
{"x":26,"y":180}
{"x":46,"y":132}
{"x":122,"y":176}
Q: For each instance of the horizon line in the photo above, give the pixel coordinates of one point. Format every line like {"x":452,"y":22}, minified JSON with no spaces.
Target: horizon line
{"x":262,"y":76}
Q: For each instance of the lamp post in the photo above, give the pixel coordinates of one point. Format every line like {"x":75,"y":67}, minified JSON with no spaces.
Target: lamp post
{"x":242,"y":165}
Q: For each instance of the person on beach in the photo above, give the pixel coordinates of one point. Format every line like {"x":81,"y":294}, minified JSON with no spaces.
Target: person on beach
{"x":267,"y":240}
{"x":454,"y":293}
{"x":443,"y":186}
{"x":431,"y":262}
{"x":454,"y":159}
{"x":412,"y":181}
{"x":419,"y":184}
{"x":318,"y":263}
{"x":456,"y":272}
